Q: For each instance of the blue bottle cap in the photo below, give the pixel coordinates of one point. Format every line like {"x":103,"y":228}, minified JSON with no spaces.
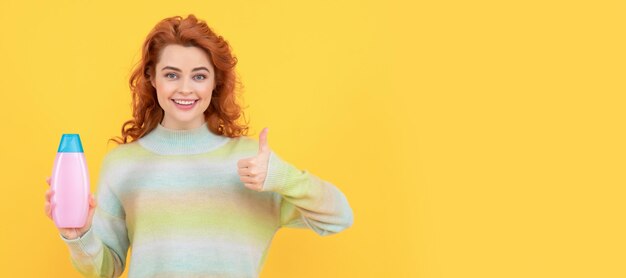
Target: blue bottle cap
{"x":70,"y":143}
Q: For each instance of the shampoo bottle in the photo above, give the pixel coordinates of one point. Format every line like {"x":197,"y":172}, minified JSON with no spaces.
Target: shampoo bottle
{"x":70,"y":182}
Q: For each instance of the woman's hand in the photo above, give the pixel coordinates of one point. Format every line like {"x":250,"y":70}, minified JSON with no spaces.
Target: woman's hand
{"x":70,"y":233}
{"x":253,"y":171}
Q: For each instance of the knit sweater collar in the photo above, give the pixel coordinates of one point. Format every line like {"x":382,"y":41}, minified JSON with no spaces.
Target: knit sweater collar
{"x":167,"y":141}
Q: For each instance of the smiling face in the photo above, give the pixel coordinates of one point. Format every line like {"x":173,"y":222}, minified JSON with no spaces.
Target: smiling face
{"x":184,"y":80}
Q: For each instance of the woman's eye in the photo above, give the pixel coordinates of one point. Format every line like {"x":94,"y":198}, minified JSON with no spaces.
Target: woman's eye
{"x":170,"y":74}
{"x":202,"y":77}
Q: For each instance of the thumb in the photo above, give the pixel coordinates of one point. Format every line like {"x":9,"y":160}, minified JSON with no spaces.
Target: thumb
{"x":263,"y":146}
{"x":92,"y":200}
{"x":92,"y":208}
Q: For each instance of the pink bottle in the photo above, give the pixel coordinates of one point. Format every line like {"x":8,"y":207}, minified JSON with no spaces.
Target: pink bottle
{"x":70,"y":182}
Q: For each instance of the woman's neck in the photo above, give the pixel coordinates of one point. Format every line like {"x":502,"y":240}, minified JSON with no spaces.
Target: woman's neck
{"x":176,"y":125}
{"x":167,"y":141}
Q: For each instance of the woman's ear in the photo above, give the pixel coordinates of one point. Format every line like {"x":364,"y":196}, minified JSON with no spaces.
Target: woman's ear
{"x":152,"y":82}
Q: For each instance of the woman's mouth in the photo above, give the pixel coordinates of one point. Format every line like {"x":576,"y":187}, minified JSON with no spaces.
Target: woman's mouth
{"x":185,"y":104}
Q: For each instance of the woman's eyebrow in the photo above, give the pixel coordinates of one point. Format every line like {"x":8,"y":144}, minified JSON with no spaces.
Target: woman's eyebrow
{"x":177,"y":69}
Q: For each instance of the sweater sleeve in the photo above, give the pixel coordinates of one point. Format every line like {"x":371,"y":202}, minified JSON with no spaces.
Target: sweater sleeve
{"x":307,"y":201}
{"x":101,"y":251}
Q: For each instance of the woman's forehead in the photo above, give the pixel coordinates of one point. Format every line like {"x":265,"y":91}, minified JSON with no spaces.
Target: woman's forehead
{"x":184,"y":57}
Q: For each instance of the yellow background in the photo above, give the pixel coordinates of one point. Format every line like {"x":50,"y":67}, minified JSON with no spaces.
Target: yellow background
{"x":472,"y":138}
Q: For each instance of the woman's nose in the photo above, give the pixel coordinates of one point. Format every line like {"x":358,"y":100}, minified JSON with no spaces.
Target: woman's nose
{"x":185,"y":87}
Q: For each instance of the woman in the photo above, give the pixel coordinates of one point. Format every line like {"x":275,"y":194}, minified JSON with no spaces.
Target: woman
{"x":185,"y":188}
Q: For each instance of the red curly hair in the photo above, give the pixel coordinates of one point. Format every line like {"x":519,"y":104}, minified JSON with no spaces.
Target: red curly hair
{"x":223,"y":111}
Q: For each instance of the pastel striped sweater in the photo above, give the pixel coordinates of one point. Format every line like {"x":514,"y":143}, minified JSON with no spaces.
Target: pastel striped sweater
{"x":174,"y":197}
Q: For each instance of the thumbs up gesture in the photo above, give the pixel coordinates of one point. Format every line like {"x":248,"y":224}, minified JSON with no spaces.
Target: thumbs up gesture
{"x":253,"y":170}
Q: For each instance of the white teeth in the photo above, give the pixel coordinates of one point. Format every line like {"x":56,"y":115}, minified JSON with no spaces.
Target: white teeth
{"x":184,"y":102}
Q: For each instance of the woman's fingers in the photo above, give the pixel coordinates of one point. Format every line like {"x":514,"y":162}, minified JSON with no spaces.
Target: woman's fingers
{"x":253,"y":186}
{"x":48,"y":205}
{"x":92,"y":210}
{"x":246,"y":172}
{"x":247,"y":162}
{"x":49,"y":194}
{"x":245,"y":179}
{"x":70,"y":232}
{"x":46,"y":209}
{"x":92,"y":201}
{"x":252,"y":170}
